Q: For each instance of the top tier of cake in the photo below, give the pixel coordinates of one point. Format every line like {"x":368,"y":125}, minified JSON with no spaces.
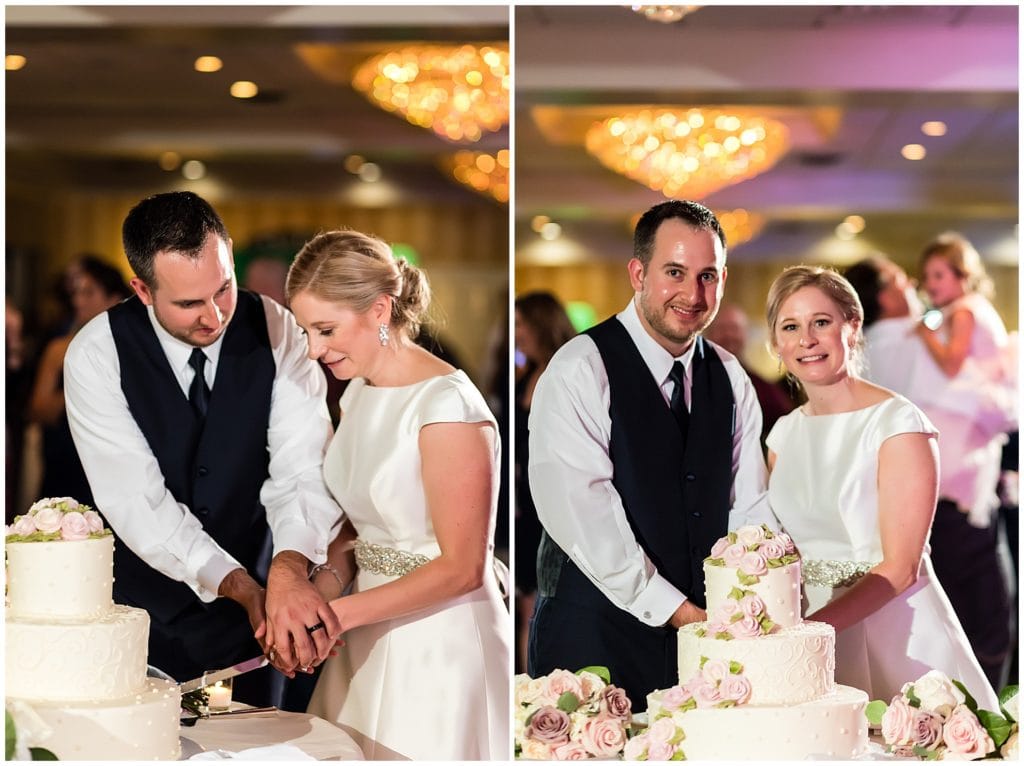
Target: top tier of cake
{"x":60,"y":580}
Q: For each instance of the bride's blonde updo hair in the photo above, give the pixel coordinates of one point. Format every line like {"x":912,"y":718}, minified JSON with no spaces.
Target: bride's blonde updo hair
{"x":835,"y":286}
{"x":354,"y":269}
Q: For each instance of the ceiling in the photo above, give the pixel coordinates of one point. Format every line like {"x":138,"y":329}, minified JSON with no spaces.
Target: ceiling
{"x":107,"y":90}
{"x":852,"y":83}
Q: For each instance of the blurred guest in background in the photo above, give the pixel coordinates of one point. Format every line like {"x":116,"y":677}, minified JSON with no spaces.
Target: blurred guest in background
{"x":541,"y":327}
{"x":730,"y":331}
{"x":96,"y":287}
{"x":16,"y":392}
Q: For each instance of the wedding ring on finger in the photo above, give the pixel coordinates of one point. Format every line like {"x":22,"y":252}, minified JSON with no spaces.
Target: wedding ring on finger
{"x":271,"y":654}
{"x":314,"y":628}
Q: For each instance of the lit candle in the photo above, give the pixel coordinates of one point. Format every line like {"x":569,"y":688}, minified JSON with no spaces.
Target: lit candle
{"x":220,"y":696}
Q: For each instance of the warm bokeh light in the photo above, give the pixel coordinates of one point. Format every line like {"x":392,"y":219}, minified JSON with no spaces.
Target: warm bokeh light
{"x":690,"y":153}
{"x":208,"y":64}
{"x":169,"y":161}
{"x":193,"y":170}
{"x":459,"y":92}
{"x":353,"y":162}
{"x":913,"y":152}
{"x":538,"y":221}
{"x":13,"y":62}
{"x":550,"y":231}
{"x":934,"y":128}
{"x":854,"y":223}
{"x":369,"y":172}
{"x":244,"y":89}
{"x":666,"y":14}
{"x":482,"y":172}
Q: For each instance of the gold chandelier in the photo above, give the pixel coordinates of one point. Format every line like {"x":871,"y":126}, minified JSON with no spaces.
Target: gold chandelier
{"x":690,"y":153}
{"x":459,"y":91}
{"x":482,"y":172}
{"x":666,"y":14}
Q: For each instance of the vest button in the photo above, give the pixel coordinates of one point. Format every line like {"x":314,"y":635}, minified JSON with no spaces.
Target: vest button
{"x":696,"y":514}
{"x":203,"y":511}
{"x":203,"y":470}
{"x":690,"y":477}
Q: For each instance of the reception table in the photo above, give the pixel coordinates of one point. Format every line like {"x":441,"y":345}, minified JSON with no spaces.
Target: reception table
{"x":316,"y":737}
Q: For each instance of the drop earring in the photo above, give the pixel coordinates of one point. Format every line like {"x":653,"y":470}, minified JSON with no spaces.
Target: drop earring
{"x":382,"y":334}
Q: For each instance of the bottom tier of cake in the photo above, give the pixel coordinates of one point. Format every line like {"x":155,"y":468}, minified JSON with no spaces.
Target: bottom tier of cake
{"x":832,"y":727}
{"x":142,"y":727}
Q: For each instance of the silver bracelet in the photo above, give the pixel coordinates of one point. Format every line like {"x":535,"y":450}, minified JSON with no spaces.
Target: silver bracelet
{"x":327,"y":568}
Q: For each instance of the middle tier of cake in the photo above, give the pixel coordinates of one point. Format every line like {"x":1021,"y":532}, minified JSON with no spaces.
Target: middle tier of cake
{"x":790,"y":666}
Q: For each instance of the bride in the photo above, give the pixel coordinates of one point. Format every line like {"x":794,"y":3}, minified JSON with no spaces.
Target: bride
{"x":424,"y":670}
{"x":853,"y":480}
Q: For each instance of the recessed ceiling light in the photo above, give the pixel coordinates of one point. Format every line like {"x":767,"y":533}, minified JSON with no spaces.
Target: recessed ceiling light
{"x":13,"y":62}
{"x":208,"y":64}
{"x":244,"y":89}
{"x":193,"y":170}
{"x":934,"y":128}
{"x":170,"y":160}
{"x":913,"y":152}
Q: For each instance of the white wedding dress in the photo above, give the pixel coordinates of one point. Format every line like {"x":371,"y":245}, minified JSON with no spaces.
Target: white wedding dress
{"x":433,"y":685}
{"x":824,"y":491}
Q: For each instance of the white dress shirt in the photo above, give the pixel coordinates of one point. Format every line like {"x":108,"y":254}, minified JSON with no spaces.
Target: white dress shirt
{"x":571,"y":468}
{"x":126,"y":480}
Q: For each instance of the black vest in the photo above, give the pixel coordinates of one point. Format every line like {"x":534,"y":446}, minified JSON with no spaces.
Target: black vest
{"x":677,"y":502}
{"x":216,"y":469}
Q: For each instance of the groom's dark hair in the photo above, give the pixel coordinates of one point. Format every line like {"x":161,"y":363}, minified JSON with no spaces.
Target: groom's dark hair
{"x":692,"y":213}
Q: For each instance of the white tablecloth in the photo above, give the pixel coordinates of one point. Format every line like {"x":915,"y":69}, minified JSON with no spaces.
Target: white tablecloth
{"x":314,"y":736}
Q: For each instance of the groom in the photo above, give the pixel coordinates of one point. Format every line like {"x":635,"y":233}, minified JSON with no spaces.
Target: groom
{"x":201,"y":425}
{"x":644,"y":450}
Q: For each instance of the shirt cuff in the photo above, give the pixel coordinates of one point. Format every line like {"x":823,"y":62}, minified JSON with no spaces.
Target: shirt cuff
{"x":300,"y":538}
{"x":212,"y":573}
{"x":656,"y":603}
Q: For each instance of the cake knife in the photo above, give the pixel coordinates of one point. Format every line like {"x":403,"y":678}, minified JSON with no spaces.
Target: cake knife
{"x":219,"y":675}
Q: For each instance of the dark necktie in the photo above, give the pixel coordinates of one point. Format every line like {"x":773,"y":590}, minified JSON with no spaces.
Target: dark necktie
{"x":678,"y":401}
{"x":198,"y":392}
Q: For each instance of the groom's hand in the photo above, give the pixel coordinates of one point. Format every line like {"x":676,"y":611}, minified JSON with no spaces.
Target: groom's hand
{"x":239,"y":586}
{"x":686,"y":613}
{"x":293,"y":605}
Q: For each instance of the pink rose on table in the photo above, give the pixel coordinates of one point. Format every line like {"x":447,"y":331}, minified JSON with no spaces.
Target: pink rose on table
{"x":926,"y":730}
{"x":549,"y":725}
{"x":74,"y":526}
{"x":719,"y":547}
{"x":715,"y":670}
{"x":615,"y":702}
{"x":48,"y":520}
{"x":749,"y":535}
{"x":965,"y":736}
{"x":674,"y":698}
{"x":786,"y":541}
{"x":536,"y":751}
{"x":707,"y":695}
{"x":772,"y":549}
{"x":23,"y":525}
{"x":635,"y":748}
{"x":603,"y":737}
{"x":660,"y":751}
{"x":897,"y":722}
{"x":733,"y":554}
{"x":735,"y":687}
{"x":95,"y":521}
{"x":745,"y":627}
{"x":590,"y":683}
{"x":560,"y":681}
{"x":754,"y":564}
{"x":570,"y":751}
{"x":752,"y":606}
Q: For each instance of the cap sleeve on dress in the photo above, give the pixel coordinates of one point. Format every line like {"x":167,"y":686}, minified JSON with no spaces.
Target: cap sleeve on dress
{"x":454,"y":399}
{"x":777,"y":436}
{"x":900,"y":416}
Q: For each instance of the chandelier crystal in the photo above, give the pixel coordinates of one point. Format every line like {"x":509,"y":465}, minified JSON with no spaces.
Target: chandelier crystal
{"x":690,"y":153}
{"x":666,"y":14}
{"x":459,"y":91}
{"x":482,"y":172}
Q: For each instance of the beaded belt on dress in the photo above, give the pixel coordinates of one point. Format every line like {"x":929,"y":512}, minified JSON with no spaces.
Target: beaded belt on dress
{"x":834,"y":574}
{"x":380,"y":559}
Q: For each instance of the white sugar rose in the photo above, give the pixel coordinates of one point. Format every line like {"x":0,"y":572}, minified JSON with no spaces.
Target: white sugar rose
{"x":715,"y":670}
{"x":95,"y":521}
{"x":48,"y":520}
{"x":74,"y":527}
{"x":937,"y":693}
{"x":749,"y":535}
{"x":23,"y":525}
{"x":636,"y":748}
{"x":662,"y":730}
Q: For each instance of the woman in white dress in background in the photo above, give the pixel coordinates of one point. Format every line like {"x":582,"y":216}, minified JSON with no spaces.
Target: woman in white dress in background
{"x":424,"y":672}
{"x":853,"y":480}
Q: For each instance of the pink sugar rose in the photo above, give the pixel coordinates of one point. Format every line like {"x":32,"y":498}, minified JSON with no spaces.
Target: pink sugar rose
{"x":733,"y":554}
{"x":549,"y":725}
{"x":719,"y":547}
{"x":786,"y":541}
{"x":735,"y":687}
{"x":615,"y":703}
{"x":603,"y":737}
{"x":749,"y":535}
{"x":48,"y":520}
{"x":570,"y":751}
{"x":23,"y":525}
{"x":745,"y":627}
{"x":95,"y":521}
{"x":752,"y":606}
{"x":965,"y":736}
{"x":715,"y":670}
{"x":725,"y":610}
{"x":74,"y":526}
{"x":926,"y":729}
{"x":898,"y":722}
{"x":635,"y":748}
{"x":560,"y":681}
{"x":772,"y":549}
{"x":674,"y":698}
{"x":754,"y":563}
{"x":660,"y":751}
{"x":714,"y":627}
{"x":707,"y":695}
{"x":662,"y":730}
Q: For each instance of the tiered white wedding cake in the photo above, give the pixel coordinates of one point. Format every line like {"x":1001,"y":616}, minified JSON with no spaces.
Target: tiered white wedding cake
{"x":756,"y":680}
{"x":76,"y":658}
